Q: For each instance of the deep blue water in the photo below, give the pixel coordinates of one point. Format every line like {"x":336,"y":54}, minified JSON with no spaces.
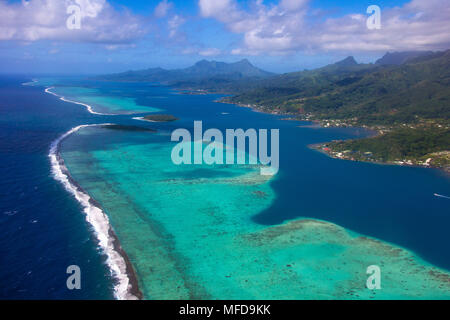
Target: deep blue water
{"x":43,"y":230}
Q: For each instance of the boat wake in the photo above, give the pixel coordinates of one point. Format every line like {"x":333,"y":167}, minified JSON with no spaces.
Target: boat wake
{"x":441,"y":196}
{"x":117,"y":261}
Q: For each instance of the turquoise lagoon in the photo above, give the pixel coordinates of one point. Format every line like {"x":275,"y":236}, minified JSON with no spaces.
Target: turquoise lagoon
{"x":226,"y":232}
{"x":101,"y":103}
{"x":91,"y":94}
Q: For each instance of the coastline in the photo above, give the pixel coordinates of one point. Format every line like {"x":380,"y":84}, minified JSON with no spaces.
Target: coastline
{"x":340,"y":124}
{"x":322,"y":148}
{"x":115,"y":242}
{"x":117,"y":260}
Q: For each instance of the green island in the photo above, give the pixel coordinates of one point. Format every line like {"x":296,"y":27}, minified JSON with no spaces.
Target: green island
{"x":405,"y":146}
{"x":408,"y":104}
{"x":160,"y":118}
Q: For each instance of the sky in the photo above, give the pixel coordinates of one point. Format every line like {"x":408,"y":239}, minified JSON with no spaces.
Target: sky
{"x":42,"y":36}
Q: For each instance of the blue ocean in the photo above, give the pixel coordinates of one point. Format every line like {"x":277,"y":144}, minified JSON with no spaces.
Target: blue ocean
{"x":44,"y":229}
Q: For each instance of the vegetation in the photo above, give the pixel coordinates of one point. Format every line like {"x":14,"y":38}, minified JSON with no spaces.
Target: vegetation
{"x":160,"y":118}
{"x":361,"y":94}
{"x":413,"y":146}
{"x":408,"y":103}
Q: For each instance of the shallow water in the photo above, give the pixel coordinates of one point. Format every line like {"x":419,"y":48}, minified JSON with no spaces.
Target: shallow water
{"x":186,"y":228}
{"x":224,"y":231}
{"x":189,"y":233}
{"x":101,"y":103}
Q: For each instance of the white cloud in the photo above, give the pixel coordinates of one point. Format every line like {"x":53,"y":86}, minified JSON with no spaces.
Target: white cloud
{"x":210,"y":52}
{"x":291,"y":26}
{"x":416,"y":25}
{"x":91,"y":8}
{"x":264,"y":27}
{"x":215,"y":8}
{"x":113,"y":47}
{"x":174,"y":23}
{"x":293,"y":4}
{"x":163,"y":8}
{"x":46,"y":20}
{"x":201,"y":51}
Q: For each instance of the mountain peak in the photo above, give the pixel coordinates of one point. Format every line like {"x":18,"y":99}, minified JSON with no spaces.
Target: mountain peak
{"x":242,"y":68}
{"x":349,"y":61}
{"x":203,"y":62}
{"x":244,"y":61}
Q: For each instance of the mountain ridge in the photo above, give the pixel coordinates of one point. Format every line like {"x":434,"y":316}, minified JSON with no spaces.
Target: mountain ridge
{"x":399,"y":58}
{"x":200,"y":71}
{"x":408,"y":104}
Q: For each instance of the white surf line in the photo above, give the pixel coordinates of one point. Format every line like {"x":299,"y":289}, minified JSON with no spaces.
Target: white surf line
{"x":88,"y":107}
{"x":441,"y":196}
{"x":96,"y":218}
